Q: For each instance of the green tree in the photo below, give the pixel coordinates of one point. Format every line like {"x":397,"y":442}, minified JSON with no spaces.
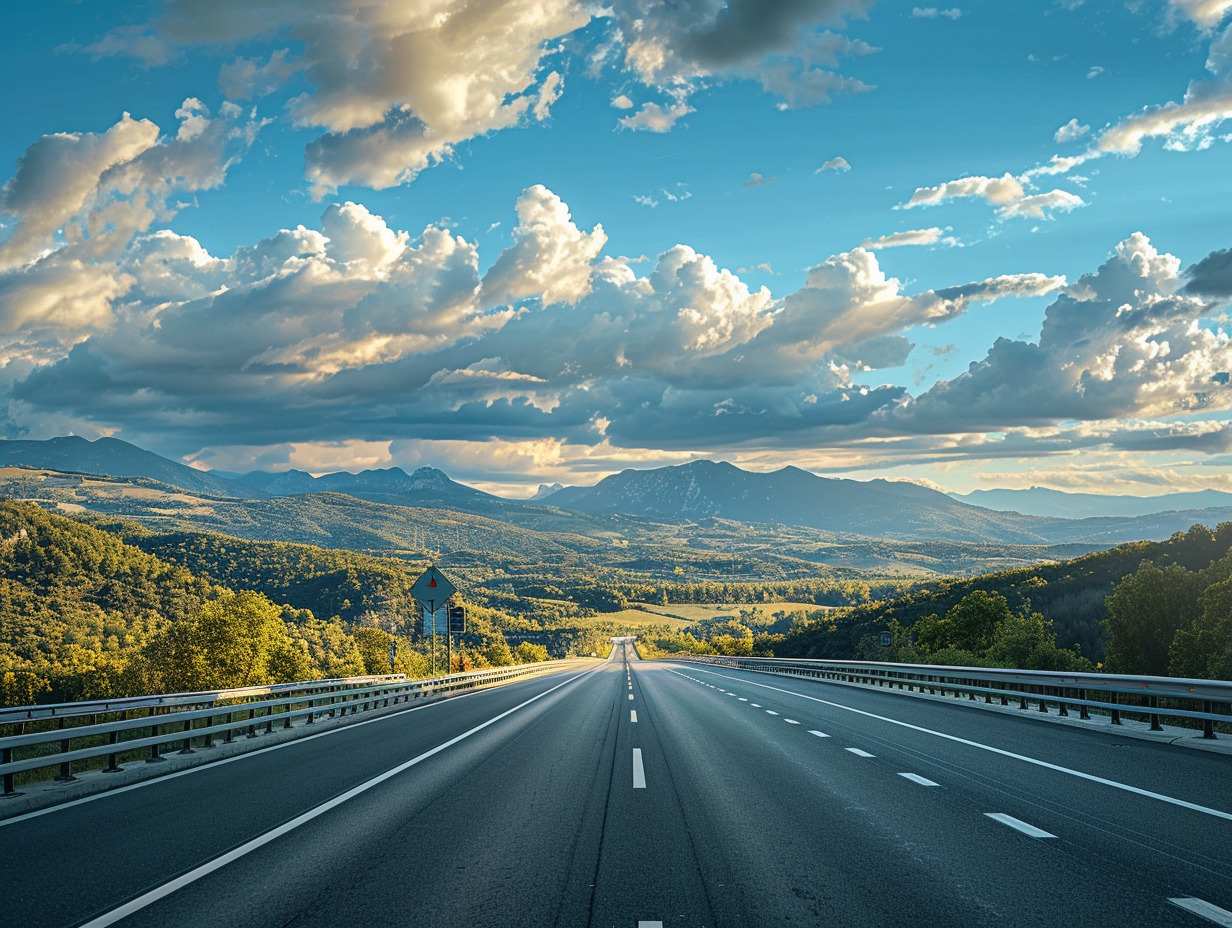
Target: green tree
{"x":974,"y":620}
{"x":1204,"y":648}
{"x":933,"y":633}
{"x":229,"y":642}
{"x":529,"y":653}
{"x":1028,"y":641}
{"x":1145,"y":611}
{"x":373,"y":645}
{"x":495,"y":651}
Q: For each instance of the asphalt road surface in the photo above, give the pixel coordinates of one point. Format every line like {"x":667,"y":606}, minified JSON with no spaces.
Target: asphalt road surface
{"x":637,"y":794}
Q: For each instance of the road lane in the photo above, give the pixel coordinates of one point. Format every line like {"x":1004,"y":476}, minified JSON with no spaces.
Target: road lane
{"x":1140,"y":841}
{"x":119,"y":846}
{"x":688,"y":804}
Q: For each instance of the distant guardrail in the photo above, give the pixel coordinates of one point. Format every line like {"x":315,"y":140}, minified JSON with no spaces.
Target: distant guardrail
{"x":1204,"y":702}
{"x":141,"y":728}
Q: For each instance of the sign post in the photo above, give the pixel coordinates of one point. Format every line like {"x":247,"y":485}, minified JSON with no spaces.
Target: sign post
{"x":432,"y":590}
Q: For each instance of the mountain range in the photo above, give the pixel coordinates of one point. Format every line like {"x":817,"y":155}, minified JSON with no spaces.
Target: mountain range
{"x":683,"y":495}
{"x":1041,"y":501}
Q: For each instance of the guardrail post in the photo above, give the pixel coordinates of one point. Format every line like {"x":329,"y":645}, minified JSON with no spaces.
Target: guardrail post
{"x":208,"y":740}
{"x":66,"y":767}
{"x":1061,"y":708}
{"x":1116,"y":713}
{"x":154,"y":757}
{"x":229,"y":736}
{"x":187,"y":748}
{"x":286,"y":722}
{"x":1043,"y":706}
{"x":1151,"y":703}
{"x":1208,"y":725}
{"x":112,"y":738}
{"x":252,"y":726}
{"x":269,"y":720}
{"x":1083,"y":713}
{"x":6,"y":757}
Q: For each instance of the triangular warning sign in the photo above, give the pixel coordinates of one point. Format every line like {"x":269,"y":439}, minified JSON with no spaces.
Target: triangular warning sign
{"x":432,"y":583}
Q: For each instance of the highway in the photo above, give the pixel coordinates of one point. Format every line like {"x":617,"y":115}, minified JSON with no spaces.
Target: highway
{"x":636,"y":794}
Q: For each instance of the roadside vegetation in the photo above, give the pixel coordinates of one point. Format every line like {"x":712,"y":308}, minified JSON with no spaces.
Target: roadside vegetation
{"x":84,"y":615}
{"x":103,"y":606}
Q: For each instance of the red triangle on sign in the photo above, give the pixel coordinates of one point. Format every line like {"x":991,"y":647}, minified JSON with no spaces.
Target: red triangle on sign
{"x":432,"y":583}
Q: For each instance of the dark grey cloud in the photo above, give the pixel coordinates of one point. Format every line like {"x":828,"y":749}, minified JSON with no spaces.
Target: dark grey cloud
{"x":1212,"y":276}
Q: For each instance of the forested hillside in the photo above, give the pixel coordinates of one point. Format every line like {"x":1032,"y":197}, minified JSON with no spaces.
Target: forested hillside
{"x":358,"y":588}
{"x":1072,"y":596}
{"x":83,"y":614}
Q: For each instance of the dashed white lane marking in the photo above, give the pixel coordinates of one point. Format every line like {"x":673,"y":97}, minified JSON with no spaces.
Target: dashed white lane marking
{"x":743,"y":699}
{"x":645,"y":924}
{"x":632,"y":715}
{"x":1212,"y":913}
{"x":791,"y":721}
{"x":819,"y":734}
{"x":1089,"y":777}
{"x":754,"y":705}
{"x":1019,"y":825}
{"x":630,"y":696}
{"x":639,"y":772}
{"x":916,"y":778}
{"x":771,"y":712}
{"x":858,"y":753}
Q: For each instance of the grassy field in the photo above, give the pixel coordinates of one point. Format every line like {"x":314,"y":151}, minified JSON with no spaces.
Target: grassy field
{"x":687,"y":612}
{"x":640,"y":617}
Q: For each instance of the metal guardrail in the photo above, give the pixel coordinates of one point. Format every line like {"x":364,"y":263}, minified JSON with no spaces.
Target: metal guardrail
{"x":176,"y":700}
{"x":1114,"y":694}
{"x":187,"y":718}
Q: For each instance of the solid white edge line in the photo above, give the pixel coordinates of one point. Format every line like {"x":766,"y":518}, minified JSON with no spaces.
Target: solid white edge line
{"x":819,"y":734}
{"x":1204,"y":909}
{"x":639,"y":772}
{"x":1089,"y":777}
{"x":632,"y":715}
{"x":166,"y":889}
{"x":859,"y":753}
{"x":916,"y":778}
{"x":223,"y":761}
{"x":1019,"y":825}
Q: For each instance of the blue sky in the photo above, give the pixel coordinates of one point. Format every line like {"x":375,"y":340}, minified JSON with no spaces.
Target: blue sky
{"x":976,"y":245}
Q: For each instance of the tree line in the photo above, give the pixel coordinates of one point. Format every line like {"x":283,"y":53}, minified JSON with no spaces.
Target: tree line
{"x":85,"y":615}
